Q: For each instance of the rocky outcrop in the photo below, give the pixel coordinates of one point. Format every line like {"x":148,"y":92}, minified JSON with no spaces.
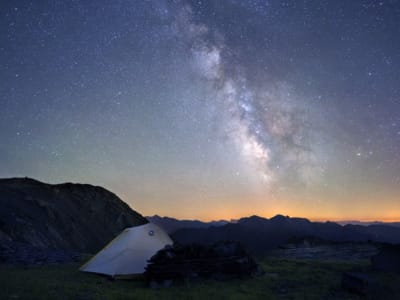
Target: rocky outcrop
{"x":223,"y":260}
{"x":74,"y":217}
{"x":388,"y":259}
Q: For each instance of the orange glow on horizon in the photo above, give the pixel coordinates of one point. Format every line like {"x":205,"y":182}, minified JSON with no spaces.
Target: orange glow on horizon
{"x":324,"y":213}
{"x":363,"y":208}
{"x":228,"y":217}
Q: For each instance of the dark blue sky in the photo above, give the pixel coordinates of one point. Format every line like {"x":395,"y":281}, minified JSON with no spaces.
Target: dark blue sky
{"x":207,"y":109}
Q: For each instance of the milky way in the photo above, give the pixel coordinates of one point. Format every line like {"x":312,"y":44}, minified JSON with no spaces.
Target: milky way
{"x":208,"y":109}
{"x":267,"y":124}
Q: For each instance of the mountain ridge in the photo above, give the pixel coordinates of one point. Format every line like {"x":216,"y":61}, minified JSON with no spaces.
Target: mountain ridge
{"x":72,"y":216}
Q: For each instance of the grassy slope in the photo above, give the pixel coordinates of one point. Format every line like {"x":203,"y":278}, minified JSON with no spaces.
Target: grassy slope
{"x":284,"y":279}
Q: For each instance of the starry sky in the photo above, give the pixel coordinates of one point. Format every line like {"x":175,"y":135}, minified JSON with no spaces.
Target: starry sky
{"x":208,"y":109}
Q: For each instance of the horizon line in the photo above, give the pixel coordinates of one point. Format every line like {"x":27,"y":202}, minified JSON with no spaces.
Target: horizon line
{"x":372,"y":220}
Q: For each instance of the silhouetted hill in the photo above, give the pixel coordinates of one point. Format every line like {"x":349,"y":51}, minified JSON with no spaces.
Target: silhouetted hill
{"x":171,"y":225}
{"x":78,"y":217}
{"x":261,"y":234}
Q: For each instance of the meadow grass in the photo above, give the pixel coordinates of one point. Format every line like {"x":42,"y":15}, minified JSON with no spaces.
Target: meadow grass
{"x":283,"y":279}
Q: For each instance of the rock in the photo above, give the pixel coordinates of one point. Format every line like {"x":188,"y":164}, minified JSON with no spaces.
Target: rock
{"x":388,"y":259}
{"x":167,"y":283}
{"x":358,"y":283}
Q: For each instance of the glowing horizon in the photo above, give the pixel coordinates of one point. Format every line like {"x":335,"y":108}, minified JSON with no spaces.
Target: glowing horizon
{"x":394,"y":219}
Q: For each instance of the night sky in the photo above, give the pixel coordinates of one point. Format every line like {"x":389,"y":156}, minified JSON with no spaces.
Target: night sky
{"x":208,"y":109}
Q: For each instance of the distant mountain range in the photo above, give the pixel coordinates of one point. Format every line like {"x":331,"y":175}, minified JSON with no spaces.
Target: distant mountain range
{"x":261,"y":234}
{"x":396,"y":224}
{"x":171,"y":225}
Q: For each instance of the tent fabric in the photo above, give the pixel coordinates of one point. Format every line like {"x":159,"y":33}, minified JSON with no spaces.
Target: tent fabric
{"x":129,"y":252}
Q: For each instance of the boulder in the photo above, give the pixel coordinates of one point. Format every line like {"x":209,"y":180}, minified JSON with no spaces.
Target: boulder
{"x":358,"y":283}
{"x":388,"y":259}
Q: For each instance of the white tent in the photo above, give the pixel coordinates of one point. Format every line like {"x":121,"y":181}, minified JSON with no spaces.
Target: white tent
{"x":128,"y":253}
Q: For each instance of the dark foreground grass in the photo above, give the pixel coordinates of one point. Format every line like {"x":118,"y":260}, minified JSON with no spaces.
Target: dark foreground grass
{"x":284,"y":279}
